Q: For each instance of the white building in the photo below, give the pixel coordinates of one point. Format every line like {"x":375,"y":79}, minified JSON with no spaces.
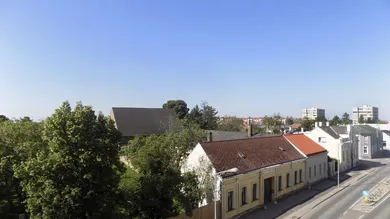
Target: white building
{"x":313,"y":113}
{"x":386,"y":139}
{"x":365,"y":111}
{"x":336,"y":140}
{"x":316,"y":168}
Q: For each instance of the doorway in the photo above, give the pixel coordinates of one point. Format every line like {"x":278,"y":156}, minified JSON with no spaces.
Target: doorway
{"x":268,"y":190}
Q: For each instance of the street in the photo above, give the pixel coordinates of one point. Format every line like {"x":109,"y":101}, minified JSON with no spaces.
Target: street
{"x":349,"y":203}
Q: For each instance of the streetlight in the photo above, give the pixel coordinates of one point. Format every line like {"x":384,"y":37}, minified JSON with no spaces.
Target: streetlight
{"x":232,"y":170}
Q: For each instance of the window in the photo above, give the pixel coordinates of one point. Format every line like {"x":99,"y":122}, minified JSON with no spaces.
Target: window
{"x":230,"y":201}
{"x":309,"y":172}
{"x":243,"y":195}
{"x":296,"y":177}
{"x":384,"y":144}
{"x":254,"y":192}
{"x":321,"y":139}
{"x":365,"y":149}
{"x":280,"y":183}
{"x":320,"y":168}
{"x":300,"y":176}
{"x":288,"y":180}
{"x":315,"y":171}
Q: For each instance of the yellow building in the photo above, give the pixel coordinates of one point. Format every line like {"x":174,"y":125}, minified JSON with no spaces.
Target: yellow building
{"x":252,"y":172}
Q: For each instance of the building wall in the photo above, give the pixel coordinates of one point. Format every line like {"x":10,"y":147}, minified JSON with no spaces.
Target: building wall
{"x":373,"y":143}
{"x":366,"y":111}
{"x":335,"y":147}
{"x":198,"y":161}
{"x":318,"y":162}
{"x":236,"y":183}
{"x":313,"y":113}
{"x":386,"y":141}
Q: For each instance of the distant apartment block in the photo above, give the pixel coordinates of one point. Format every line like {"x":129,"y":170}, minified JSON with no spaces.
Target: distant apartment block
{"x":313,"y":113}
{"x":367,"y":111}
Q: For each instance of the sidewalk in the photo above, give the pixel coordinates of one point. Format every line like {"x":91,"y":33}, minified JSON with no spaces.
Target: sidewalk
{"x":293,"y":201}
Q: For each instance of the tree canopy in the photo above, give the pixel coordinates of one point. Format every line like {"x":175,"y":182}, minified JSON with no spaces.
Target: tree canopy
{"x":3,"y":118}
{"x":335,"y":121}
{"x":160,"y":190}
{"x":345,"y":119}
{"x":77,"y":176}
{"x":19,"y":140}
{"x":180,"y":107}
{"x":205,"y":116}
{"x":231,"y":123}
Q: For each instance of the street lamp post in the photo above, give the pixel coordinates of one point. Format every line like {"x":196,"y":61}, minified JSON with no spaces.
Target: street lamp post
{"x":232,"y":170}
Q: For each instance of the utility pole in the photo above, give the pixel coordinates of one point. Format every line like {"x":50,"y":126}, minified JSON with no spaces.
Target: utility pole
{"x":338,"y":166}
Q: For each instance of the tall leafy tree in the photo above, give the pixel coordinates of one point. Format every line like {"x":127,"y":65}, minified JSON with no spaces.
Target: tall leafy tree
{"x":3,"y":118}
{"x":307,"y":124}
{"x":361,"y":119}
{"x":195,"y":116}
{"x":289,"y":121}
{"x":179,"y":106}
{"x":19,"y":140}
{"x":335,"y":121}
{"x":161,"y":190}
{"x":209,"y":115}
{"x":231,"y":123}
{"x":321,"y":119}
{"x":345,"y":119}
{"x":78,"y":175}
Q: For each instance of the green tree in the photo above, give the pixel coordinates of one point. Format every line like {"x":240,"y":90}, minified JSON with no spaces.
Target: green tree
{"x":231,"y":123}
{"x":345,"y":119}
{"x":289,"y":121}
{"x":3,"y":118}
{"x":361,"y":119}
{"x":307,"y":124}
{"x":179,"y":106}
{"x":78,"y":175}
{"x":335,"y":121}
{"x":161,"y":190}
{"x":321,"y":119}
{"x":195,"y":116}
{"x":209,"y":115}
{"x":19,"y":140}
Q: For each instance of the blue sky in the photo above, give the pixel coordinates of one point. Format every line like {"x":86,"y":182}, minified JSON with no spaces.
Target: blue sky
{"x":247,"y":58}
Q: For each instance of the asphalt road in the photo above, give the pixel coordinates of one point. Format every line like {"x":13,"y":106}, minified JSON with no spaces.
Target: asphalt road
{"x":339,"y":206}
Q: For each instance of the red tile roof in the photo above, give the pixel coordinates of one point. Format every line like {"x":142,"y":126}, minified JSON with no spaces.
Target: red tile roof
{"x":305,"y":144}
{"x":257,"y":153}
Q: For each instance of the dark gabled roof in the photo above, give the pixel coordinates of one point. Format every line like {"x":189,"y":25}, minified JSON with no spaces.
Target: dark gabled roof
{"x":225,"y":135}
{"x":330,"y":131}
{"x":387,"y":132}
{"x":296,"y":126}
{"x":364,"y":130}
{"x":142,"y":121}
{"x":341,"y":130}
{"x":250,"y":153}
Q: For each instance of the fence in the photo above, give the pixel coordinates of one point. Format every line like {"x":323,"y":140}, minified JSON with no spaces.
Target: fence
{"x":204,"y":212}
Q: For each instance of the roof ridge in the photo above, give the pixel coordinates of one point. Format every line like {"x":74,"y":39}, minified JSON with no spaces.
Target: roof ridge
{"x":242,"y":139}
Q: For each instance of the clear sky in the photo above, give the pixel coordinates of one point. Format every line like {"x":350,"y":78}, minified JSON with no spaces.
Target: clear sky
{"x":247,"y":58}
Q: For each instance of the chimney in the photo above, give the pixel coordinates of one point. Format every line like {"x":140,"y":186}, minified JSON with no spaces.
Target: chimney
{"x":319,"y":124}
{"x":210,"y":136}
{"x":315,"y":124}
{"x":250,"y":127}
{"x":302,"y":130}
{"x":327,"y":123}
{"x":348,"y":129}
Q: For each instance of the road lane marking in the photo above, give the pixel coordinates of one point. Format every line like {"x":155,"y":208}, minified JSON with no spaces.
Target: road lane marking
{"x":345,"y":212}
{"x":361,"y":216}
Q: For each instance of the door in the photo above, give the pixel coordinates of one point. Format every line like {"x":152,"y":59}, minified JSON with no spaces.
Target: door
{"x":267,"y":190}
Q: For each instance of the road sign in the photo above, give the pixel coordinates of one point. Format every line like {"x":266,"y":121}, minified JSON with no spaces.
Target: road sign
{"x":365,"y":193}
